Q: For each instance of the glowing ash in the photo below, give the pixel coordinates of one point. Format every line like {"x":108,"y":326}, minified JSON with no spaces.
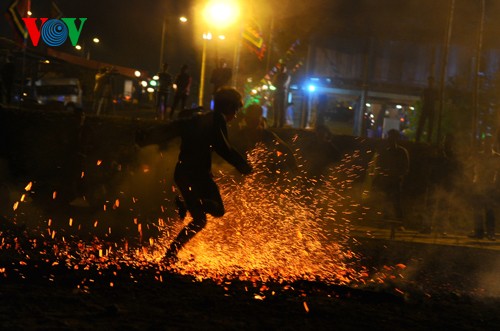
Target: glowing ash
{"x":276,"y":227}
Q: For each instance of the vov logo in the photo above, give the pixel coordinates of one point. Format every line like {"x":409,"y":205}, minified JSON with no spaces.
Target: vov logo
{"x":54,"y":32}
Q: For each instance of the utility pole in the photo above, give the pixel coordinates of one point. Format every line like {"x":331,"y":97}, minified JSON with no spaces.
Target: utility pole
{"x":477,"y":83}
{"x":444,"y":64}
{"x":162,"y":45}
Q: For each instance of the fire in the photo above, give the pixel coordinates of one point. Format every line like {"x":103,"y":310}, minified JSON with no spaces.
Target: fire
{"x":276,"y":228}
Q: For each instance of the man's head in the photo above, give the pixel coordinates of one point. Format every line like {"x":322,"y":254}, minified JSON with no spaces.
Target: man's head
{"x":254,"y":115}
{"x":228,"y":101}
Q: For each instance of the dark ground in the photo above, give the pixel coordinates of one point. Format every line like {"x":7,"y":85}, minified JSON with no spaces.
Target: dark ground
{"x":414,"y":284}
{"x":442,"y":295}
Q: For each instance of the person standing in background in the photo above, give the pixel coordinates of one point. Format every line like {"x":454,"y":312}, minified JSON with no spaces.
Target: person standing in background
{"x":182,"y":88}
{"x":281,"y":82}
{"x":163,"y":92}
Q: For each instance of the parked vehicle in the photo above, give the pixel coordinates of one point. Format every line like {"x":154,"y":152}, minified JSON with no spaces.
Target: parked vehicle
{"x":65,"y":93}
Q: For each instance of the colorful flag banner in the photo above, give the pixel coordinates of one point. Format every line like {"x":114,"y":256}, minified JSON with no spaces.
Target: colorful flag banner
{"x":17,"y":10}
{"x":253,"y":40}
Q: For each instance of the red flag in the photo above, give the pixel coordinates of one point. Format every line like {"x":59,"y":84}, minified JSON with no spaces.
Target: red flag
{"x":17,"y":10}
{"x":252,"y":36}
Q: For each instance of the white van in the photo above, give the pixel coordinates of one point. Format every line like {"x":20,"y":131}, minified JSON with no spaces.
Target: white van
{"x":65,"y":92}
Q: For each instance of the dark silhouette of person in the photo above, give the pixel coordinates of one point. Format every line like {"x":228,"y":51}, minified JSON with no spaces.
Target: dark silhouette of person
{"x":429,"y":98}
{"x":444,"y":180}
{"x":163,"y":93}
{"x":221,"y":75}
{"x":485,"y":190}
{"x":281,"y":82}
{"x":8,"y":73}
{"x":200,"y":134}
{"x":183,"y":86}
{"x":392,"y":165}
{"x":102,"y":90}
{"x":254,"y":132}
{"x":322,"y":108}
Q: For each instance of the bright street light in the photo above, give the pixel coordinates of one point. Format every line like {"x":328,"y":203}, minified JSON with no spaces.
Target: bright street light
{"x":221,"y":13}
{"x":86,"y":47}
{"x":217,"y":14}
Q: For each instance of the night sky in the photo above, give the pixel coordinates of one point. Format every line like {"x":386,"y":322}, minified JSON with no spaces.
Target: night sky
{"x":130,"y":30}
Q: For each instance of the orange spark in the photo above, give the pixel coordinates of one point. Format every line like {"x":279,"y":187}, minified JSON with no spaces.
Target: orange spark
{"x":54,"y":194}
{"x":28,"y":187}
{"x":16,"y":204}
{"x":306,"y":307}
{"x":99,"y":162}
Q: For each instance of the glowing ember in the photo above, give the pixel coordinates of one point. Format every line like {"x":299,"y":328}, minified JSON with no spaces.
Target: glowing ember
{"x":276,"y":228}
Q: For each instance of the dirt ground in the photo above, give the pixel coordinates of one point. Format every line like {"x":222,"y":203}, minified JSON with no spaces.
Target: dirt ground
{"x":408,"y":286}
{"x":38,"y":293}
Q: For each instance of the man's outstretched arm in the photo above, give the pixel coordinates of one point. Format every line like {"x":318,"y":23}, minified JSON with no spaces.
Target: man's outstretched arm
{"x":158,"y":134}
